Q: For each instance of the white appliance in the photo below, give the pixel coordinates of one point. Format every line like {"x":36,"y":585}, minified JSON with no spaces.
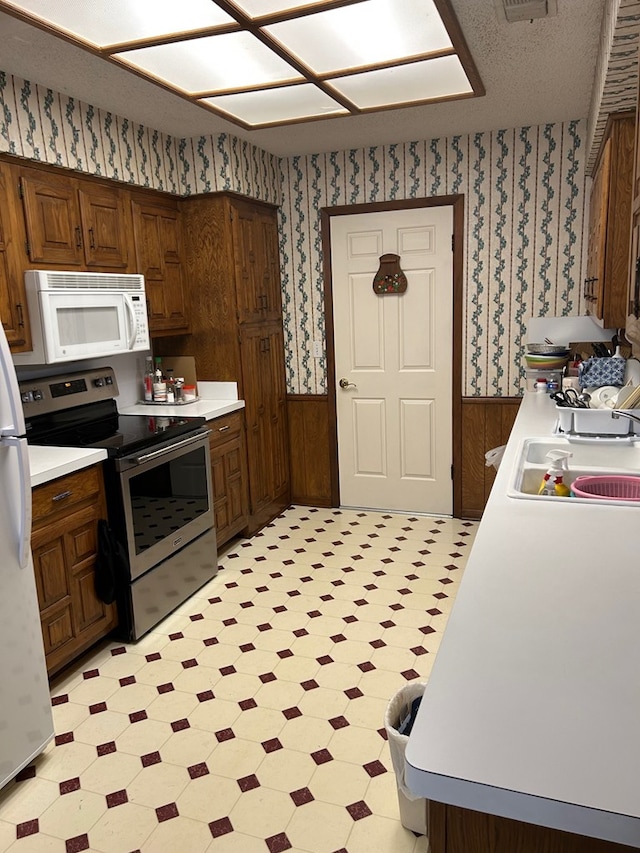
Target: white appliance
{"x":79,"y":315}
{"x":26,"y":722}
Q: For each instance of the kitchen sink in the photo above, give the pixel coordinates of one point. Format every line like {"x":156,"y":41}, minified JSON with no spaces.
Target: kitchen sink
{"x":590,"y":452}
{"x":589,"y":457}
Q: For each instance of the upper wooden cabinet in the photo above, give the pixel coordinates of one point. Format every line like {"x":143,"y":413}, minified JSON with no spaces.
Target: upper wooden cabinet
{"x":256,"y":261}
{"x":605,"y":286}
{"x":13,"y":309}
{"x":73,"y":223}
{"x":158,"y":248}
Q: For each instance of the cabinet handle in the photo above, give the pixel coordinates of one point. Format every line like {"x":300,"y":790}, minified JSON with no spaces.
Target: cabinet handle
{"x":78,"y":237}
{"x":92,"y":242}
{"x":223,"y":428}
{"x":62,"y":496}
{"x":20,"y":314}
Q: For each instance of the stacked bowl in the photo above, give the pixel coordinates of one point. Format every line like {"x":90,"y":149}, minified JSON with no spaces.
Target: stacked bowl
{"x":546,"y":356}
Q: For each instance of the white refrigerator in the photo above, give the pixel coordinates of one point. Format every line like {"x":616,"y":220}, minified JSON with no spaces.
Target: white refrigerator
{"x":26,"y":722}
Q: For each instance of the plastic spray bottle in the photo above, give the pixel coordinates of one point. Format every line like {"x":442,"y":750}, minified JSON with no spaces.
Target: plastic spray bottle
{"x":553,"y":481}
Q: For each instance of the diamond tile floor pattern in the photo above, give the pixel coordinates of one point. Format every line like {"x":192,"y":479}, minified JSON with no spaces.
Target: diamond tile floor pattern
{"x":251,"y":719}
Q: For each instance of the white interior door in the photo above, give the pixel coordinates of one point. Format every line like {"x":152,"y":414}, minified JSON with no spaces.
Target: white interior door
{"x":395,"y":352}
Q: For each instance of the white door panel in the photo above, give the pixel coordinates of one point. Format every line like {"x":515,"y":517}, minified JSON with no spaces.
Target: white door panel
{"x":394,"y":420}
{"x":370,"y":441}
{"x":416,"y":418}
{"x":367,"y":327}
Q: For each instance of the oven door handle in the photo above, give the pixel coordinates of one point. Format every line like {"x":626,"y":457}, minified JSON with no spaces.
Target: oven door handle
{"x":164,"y":451}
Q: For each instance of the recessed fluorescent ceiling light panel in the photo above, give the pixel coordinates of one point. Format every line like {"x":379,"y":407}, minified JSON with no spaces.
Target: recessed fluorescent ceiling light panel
{"x":264,"y":63}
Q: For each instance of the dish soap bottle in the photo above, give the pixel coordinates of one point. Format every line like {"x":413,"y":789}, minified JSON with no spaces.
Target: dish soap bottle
{"x":553,"y":481}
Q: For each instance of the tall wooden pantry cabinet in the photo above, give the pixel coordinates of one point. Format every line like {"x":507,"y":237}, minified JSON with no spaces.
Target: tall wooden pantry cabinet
{"x":235,"y":309}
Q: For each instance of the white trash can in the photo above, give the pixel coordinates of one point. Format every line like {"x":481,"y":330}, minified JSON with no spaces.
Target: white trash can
{"x":413,"y":809}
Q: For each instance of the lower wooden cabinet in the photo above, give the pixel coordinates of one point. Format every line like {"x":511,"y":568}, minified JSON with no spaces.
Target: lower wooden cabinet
{"x":452,"y":829}
{"x":64,"y":542}
{"x":229,"y":475}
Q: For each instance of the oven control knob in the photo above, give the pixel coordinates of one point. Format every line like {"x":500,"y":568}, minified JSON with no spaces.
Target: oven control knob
{"x":38,"y":395}
{"x":108,"y":380}
{"x":98,"y":382}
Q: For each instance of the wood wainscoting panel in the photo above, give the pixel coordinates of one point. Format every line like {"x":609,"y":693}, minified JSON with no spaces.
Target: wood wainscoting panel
{"x":486,"y":423}
{"x":309,"y":448}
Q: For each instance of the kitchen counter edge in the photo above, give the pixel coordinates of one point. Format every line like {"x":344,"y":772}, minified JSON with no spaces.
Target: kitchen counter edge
{"x":530,"y":709}
{"x":202,"y":408}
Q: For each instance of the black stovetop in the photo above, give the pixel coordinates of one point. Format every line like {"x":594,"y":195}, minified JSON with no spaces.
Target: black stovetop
{"x":100,"y":425}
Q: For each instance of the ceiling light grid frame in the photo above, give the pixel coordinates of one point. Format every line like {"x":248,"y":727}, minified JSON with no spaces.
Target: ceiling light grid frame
{"x":269,"y":63}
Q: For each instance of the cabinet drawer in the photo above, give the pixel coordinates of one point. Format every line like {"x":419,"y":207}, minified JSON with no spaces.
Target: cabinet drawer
{"x":64,"y":492}
{"x":226,"y":427}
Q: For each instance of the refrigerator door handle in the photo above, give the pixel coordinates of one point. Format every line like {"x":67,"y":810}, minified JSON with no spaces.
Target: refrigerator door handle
{"x":24,"y":540}
{"x":12,"y":396}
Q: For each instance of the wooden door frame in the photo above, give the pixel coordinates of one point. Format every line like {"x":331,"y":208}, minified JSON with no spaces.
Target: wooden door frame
{"x":456,"y":202}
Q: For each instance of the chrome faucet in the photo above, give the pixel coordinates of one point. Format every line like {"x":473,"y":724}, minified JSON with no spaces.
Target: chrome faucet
{"x":617,"y":413}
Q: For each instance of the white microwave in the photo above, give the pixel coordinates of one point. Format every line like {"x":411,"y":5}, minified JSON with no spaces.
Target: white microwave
{"x":78,"y":315}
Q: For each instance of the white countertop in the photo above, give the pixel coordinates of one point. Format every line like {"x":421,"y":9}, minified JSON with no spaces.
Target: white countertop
{"x":216,"y":399}
{"x":49,"y":463}
{"x":208,"y":409}
{"x":532,"y":710}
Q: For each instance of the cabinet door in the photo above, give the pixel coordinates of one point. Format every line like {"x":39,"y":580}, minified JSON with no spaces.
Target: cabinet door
{"x":159,"y":259}
{"x":12,"y":305}
{"x":255,"y":384}
{"x":228,"y":470}
{"x":103,"y":227}
{"x":52,"y":218}
{"x":596,"y":246}
{"x":12,"y":292}
{"x":610,"y":216}
{"x":277,"y":403}
{"x":54,"y":595}
{"x":270,"y":266}
{"x":247,"y":256}
{"x":65,"y":550}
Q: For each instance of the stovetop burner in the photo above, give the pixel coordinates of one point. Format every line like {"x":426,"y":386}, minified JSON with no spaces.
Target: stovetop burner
{"x":100,"y":425}
{"x":54,"y":418}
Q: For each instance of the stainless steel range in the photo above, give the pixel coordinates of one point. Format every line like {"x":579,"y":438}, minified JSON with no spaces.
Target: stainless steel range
{"x":158,"y":482}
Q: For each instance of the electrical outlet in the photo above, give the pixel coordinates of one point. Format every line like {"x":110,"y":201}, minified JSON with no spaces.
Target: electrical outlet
{"x":317,"y":349}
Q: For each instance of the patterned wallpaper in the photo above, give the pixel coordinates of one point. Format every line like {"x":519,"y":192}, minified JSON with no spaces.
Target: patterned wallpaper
{"x":524,"y":194}
{"x":525,"y":206}
{"x":43,"y":125}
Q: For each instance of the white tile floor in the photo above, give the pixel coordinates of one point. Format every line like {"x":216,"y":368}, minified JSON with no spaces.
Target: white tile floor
{"x":251,"y":719}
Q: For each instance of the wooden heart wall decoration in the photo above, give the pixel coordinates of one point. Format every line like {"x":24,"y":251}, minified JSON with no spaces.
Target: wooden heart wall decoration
{"x":389,"y":278}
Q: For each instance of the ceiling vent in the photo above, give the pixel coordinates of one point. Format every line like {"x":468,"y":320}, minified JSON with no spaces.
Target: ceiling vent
{"x":512,"y":11}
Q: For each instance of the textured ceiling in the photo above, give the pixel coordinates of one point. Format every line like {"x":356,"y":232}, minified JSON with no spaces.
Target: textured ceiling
{"x":534,"y":72}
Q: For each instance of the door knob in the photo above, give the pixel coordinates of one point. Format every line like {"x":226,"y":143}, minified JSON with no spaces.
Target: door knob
{"x":344,"y":383}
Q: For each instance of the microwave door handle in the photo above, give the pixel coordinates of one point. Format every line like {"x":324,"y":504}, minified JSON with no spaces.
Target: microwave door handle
{"x":132,"y":318}
{"x":24,"y":539}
